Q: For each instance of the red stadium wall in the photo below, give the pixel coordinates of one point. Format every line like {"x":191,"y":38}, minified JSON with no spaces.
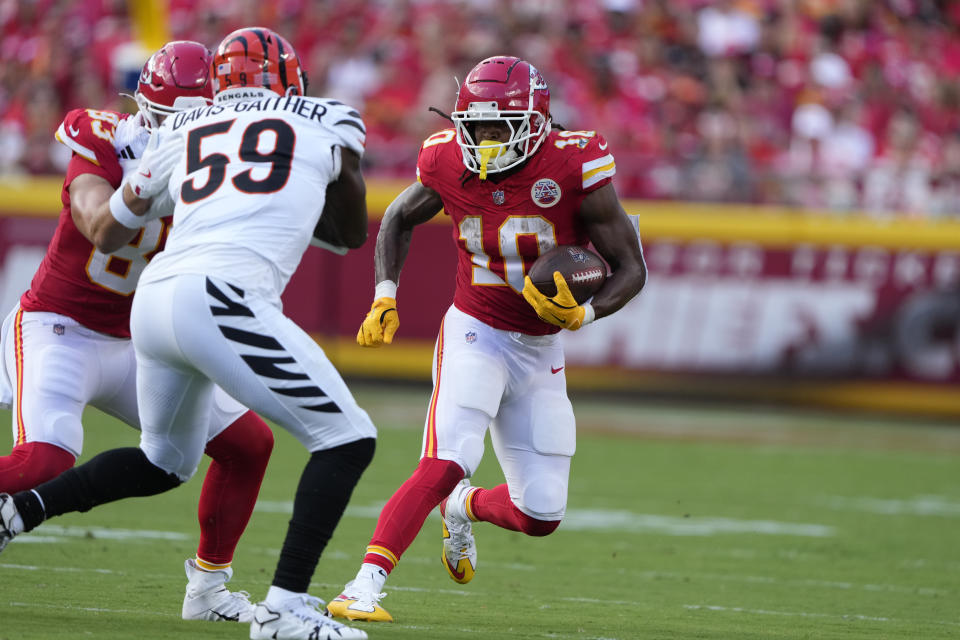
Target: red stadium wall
{"x":742,"y":303}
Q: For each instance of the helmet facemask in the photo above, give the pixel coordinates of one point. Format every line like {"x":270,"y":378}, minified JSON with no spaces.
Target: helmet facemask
{"x":527,"y":131}
{"x":154,"y":113}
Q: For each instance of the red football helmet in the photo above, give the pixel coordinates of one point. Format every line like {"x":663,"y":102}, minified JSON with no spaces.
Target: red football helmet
{"x":508,"y":90}
{"x":258,"y":57}
{"x":175,"y":78}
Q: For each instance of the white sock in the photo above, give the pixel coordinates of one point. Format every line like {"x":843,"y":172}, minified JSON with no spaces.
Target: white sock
{"x":374,"y":573}
{"x":277,"y":596}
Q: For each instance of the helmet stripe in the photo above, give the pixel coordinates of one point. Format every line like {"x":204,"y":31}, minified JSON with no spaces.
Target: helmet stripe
{"x":283,"y":65}
{"x":242,"y":40}
{"x":264,"y":75}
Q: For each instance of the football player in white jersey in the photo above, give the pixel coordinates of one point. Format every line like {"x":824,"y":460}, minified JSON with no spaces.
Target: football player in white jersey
{"x":67,"y":343}
{"x":255,"y":176}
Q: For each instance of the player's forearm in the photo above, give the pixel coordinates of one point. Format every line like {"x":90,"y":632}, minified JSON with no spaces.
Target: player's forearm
{"x":625,"y":283}
{"x":135,"y":203}
{"x":415,"y":205}
{"x":90,"y":210}
{"x":344,"y":220}
{"x":393,"y":243}
{"x":110,"y":235}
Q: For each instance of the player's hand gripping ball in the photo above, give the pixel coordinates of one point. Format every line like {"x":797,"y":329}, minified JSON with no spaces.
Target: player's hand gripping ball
{"x":560,"y":281}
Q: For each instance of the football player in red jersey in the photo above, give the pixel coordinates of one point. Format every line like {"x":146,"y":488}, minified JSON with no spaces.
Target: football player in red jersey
{"x":67,"y":344}
{"x":513,"y":189}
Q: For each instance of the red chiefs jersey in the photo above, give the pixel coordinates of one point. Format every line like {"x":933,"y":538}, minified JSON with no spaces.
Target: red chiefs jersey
{"x":75,"y":279}
{"x":502,"y":224}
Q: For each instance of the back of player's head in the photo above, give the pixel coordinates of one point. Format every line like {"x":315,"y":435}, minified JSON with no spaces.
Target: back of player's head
{"x":261,"y":58}
{"x":506,"y":90}
{"x":175,"y":78}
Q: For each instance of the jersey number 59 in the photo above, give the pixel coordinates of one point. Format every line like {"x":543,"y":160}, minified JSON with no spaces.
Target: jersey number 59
{"x":278,"y":159}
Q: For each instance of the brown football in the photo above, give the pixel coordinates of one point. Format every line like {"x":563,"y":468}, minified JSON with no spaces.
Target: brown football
{"x":584,"y":271}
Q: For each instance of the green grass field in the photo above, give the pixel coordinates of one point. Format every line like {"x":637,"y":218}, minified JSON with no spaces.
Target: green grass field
{"x":703,"y":522}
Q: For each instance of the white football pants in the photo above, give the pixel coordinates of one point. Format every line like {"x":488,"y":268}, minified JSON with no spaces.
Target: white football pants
{"x":57,"y":367}
{"x":513,"y":384}
{"x":192,"y":332}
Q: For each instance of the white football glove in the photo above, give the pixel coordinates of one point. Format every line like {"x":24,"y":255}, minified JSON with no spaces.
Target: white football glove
{"x":161,"y":206}
{"x":156,"y":165}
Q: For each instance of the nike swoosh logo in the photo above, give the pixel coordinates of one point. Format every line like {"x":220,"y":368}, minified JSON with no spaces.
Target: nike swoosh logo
{"x":457,"y":571}
{"x":148,"y":174}
{"x":74,"y":132}
{"x":557,"y":370}
{"x":603,"y":145}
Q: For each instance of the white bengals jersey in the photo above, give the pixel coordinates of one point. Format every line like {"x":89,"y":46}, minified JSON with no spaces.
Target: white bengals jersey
{"x":250,"y":186}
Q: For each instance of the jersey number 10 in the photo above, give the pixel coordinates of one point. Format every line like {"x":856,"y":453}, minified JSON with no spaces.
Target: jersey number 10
{"x":505,"y":267}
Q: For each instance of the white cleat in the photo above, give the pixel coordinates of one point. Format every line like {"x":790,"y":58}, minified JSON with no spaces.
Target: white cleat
{"x":459,"y":548}
{"x":208,"y":599}
{"x":359,"y":601}
{"x":10,"y":522}
{"x":299,"y":618}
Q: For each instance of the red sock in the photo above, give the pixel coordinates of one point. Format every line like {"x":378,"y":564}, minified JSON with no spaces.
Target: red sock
{"x":404,"y":514}
{"x":494,"y":505}
{"x":239,"y":459}
{"x":31,"y":464}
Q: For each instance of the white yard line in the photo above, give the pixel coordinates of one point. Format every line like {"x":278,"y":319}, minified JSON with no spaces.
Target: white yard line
{"x":824,"y":584}
{"x":620,"y":520}
{"x":66,"y":607}
{"x":799,"y":614}
{"x":107,"y":533}
{"x":916,"y":506}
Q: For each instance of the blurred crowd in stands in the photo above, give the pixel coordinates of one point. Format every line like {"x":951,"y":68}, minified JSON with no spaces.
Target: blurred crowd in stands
{"x":850,"y":105}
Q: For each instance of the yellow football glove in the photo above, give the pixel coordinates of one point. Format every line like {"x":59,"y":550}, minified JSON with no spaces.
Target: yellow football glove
{"x":562,"y":309}
{"x":380,"y":324}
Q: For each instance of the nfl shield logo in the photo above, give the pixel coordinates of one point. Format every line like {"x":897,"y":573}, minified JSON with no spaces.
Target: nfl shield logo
{"x":471,"y":337}
{"x":498,"y":197}
{"x":59,"y":329}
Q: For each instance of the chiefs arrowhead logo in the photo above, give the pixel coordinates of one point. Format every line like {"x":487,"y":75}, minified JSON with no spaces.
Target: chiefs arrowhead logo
{"x":545,"y":192}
